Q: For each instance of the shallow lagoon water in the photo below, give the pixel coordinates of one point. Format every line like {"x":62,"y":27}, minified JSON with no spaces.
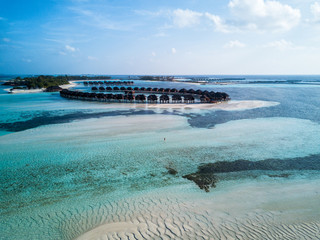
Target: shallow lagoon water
{"x":62,"y":180}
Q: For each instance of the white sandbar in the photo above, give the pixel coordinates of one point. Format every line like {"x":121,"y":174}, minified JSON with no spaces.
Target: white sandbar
{"x":226,"y":106}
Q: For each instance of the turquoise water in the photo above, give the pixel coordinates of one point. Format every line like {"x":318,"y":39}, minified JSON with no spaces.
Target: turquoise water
{"x":64,"y":162}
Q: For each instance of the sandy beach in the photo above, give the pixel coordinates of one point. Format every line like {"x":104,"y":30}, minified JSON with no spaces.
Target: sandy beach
{"x":70,"y":85}
{"x":24,"y":90}
{"x":226,"y":106}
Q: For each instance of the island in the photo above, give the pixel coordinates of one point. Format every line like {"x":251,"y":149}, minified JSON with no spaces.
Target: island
{"x":47,"y":82}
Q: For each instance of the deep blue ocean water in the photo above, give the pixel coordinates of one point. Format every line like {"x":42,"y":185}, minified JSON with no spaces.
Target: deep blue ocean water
{"x":60,"y":157}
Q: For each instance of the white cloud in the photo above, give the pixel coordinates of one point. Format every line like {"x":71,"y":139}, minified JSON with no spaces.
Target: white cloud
{"x":97,"y":19}
{"x":282,"y":45}
{"x":153,"y":54}
{"x":218,"y":23}
{"x":6,"y":39}
{"x":173,"y":50}
{"x":186,"y":18}
{"x":234,"y":44}
{"x":70,"y":48}
{"x":91,"y":58}
{"x":247,"y":15}
{"x":315,"y":10}
{"x":62,"y":53}
{"x":264,"y":15}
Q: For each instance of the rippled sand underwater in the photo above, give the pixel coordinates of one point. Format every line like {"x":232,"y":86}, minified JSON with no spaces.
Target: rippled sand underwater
{"x":108,"y":178}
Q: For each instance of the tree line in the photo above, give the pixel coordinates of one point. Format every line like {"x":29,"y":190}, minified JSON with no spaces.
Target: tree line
{"x":45,"y":81}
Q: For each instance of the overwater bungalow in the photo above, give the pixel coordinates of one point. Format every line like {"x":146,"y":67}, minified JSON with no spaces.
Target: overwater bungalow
{"x":92,"y":95}
{"x":152,"y":98}
{"x":173,"y":90}
{"x":141,"y":98}
{"x":204,"y":99}
{"x":130,"y":97}
{"x":191,"y":91}
{"x":86,"y":96}
{"x":183,"y":90}
{"x":187,"y":96}
{"x":101,"y":96}
{"x":199,"y":92}
{"x":176,"y":98}
{"x":109,"y":96}
{"x":119,"y":97}
{"x":164,"y":98}
{"x":188,"y":99}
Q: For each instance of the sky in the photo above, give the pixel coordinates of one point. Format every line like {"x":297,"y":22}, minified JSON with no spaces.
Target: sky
{"x":167,"y":37}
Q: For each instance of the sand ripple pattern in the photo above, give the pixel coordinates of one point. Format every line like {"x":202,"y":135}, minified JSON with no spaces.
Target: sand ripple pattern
{"x":158,"y":217}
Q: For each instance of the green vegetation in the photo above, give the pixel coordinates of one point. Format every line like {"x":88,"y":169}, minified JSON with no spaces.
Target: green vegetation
{"x":45,"y":81}
{"x":18,"y":87}
{"x":41,"y":81}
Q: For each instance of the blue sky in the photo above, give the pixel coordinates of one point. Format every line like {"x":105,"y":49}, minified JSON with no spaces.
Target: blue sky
{"x":159,"y":37}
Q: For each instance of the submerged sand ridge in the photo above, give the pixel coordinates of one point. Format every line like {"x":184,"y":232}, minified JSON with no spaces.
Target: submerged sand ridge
{"x":237,"y":212}
{"x":120,"y":109}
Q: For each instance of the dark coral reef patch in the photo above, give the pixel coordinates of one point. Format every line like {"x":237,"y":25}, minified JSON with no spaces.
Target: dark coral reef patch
{"x":207,"y":174}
